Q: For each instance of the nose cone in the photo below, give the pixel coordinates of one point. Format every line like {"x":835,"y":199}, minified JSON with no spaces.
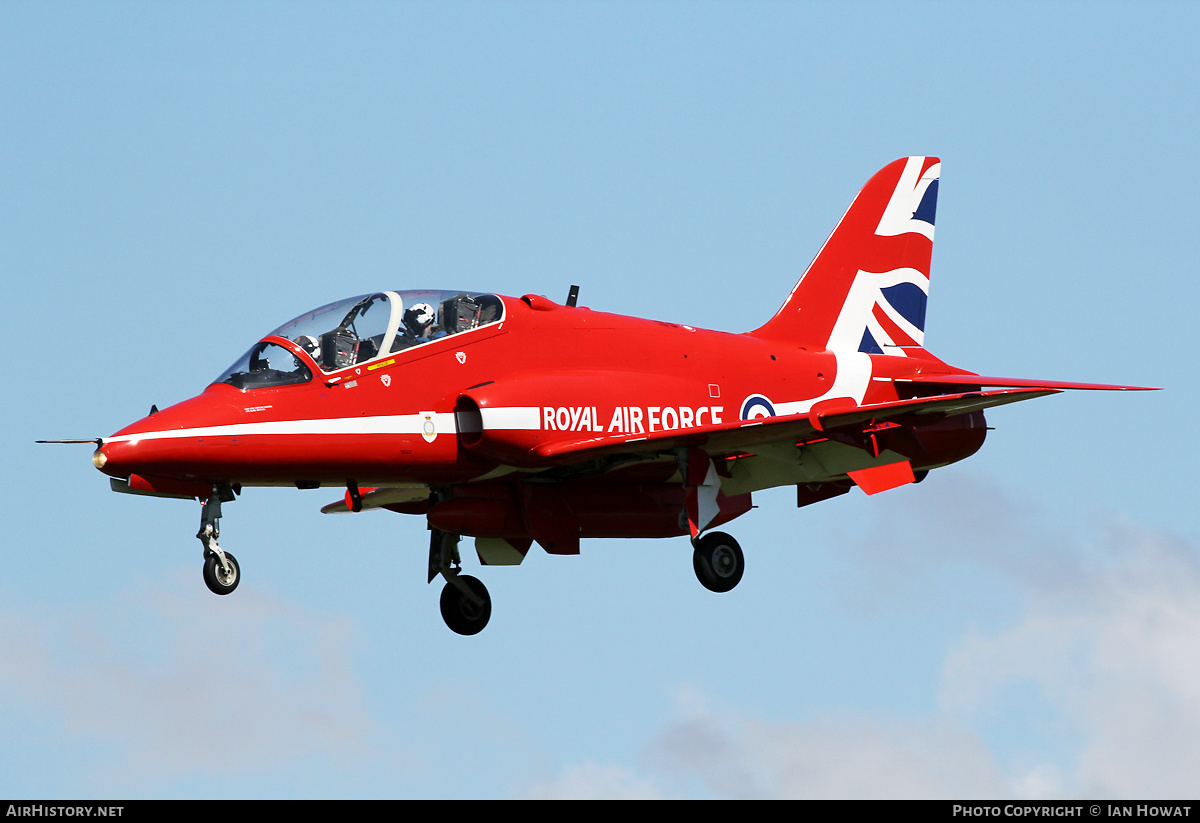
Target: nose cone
{"x":164,"y":443}
{"x":117,"y":459}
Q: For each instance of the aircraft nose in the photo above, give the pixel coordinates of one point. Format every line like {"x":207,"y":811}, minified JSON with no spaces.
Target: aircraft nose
{"x":156,"y":446}
{"x":116,"y":459}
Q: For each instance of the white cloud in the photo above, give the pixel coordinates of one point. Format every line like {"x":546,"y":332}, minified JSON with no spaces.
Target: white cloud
{"x":1089,"y":686}
{"x":1115,"y":657}
{"x":712,"y":750}
{"x":591,"y":781}
{"x":1092,"y":687}
{"x":176,"y":685}
{"x":961,"y":519}
{"x":833,"y":757}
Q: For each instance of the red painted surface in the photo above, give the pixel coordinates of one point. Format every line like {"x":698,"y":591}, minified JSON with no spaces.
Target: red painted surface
{"x":555,"y":423}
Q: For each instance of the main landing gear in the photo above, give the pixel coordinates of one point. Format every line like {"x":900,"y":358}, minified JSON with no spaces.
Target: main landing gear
{"x":466,"y":604}
{"x":221,"y":572}
{"x":718,"y":561}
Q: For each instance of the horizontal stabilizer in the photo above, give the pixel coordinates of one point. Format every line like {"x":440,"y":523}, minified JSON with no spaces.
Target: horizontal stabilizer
{"x":1012,"y":382}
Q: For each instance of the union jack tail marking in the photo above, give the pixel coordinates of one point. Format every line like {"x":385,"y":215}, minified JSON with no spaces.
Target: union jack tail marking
{"x":867,"y":288}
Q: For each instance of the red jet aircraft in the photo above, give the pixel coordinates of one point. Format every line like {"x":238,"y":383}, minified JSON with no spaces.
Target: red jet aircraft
{"x":519,"y":420}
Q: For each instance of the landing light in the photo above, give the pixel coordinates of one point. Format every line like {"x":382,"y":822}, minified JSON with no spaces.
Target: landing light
{"x":99,"y":458}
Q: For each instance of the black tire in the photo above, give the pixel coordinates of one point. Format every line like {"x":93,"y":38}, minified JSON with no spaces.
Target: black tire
{"x":718,"y":562}
{"x":216,"y":579}
{"x":462,"y":615}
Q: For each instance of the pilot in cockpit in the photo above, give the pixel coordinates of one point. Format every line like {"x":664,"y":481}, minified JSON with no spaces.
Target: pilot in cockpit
{"x":310,"y":345}
{"x":418,"y":321}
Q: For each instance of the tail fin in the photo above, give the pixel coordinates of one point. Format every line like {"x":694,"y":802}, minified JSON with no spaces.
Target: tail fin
{"x":867,"y":287}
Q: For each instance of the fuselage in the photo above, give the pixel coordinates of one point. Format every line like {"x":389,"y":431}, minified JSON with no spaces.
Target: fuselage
{"x":543,"y":373}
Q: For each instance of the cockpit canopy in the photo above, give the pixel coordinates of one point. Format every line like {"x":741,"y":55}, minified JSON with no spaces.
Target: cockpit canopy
{"x":361,"y":329}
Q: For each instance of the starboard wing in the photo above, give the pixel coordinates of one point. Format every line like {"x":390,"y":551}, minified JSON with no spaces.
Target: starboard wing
{"x":746,"y":435}
{"x":980,"y":380}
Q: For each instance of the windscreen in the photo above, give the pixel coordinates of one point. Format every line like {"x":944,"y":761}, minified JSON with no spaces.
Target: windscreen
{"x":364,"y":328}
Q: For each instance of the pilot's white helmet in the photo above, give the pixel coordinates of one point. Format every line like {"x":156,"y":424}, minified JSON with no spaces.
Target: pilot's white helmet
{"x":418,"y":316}
{"x":308,"y":343}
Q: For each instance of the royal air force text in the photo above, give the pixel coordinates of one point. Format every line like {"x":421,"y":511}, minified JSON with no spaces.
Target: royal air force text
{"x":629,"y":419}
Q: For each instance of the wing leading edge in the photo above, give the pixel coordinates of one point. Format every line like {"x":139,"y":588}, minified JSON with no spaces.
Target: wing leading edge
{"x":739,"y":437}
{"x":968,"y":379}
{"x":747,"y":435}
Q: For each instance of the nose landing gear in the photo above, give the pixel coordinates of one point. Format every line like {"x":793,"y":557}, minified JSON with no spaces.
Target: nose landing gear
{"x":221,"y":571}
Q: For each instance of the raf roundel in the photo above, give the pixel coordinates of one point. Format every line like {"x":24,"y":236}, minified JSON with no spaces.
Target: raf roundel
{"x":756,"y":406}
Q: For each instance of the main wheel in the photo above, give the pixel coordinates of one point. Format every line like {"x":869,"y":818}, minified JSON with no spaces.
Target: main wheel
{"x":462,"y":615}
{"x":718,"y":562}
{"x":216,"y":578}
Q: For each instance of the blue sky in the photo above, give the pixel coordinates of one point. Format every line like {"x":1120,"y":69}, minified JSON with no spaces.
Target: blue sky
{"x":178,"y":179}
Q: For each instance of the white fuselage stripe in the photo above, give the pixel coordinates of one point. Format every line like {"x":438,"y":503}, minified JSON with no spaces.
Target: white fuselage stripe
{"x":381,"y":424}
{"x":517,"y":417}
{"x":524,"y":418}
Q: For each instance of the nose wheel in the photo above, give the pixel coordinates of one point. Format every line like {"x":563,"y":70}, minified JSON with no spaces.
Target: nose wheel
{"x":221,"y":578}
{"x":221,"y":572}
{"x":718,"y":562}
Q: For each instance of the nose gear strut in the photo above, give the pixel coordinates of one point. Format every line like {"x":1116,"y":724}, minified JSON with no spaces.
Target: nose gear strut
{"x":221,"y":571}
